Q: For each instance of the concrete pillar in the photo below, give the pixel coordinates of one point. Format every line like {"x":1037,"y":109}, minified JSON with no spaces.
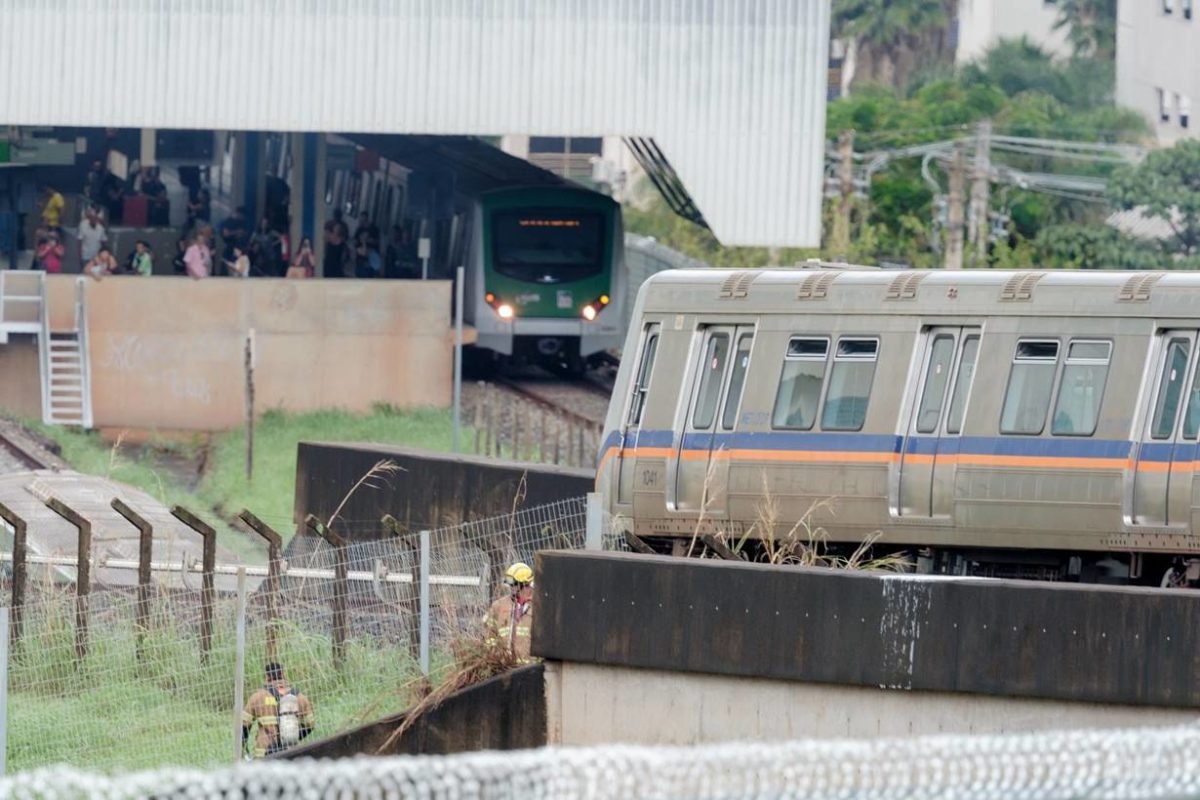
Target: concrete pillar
{"x":314,"y":188}
{"x":249,"y":175}
{"x":300,"y":201}
{"x":148,"y":153}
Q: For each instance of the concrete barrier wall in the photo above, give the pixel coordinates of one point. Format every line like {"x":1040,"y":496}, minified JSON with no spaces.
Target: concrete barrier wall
{"x":1068,"y":642}
{"x":590,"y":704}
{"x":167,"y":353}
{"x":20,"y":386}
{"x":507,"y":712}
{"x":431,"y":490}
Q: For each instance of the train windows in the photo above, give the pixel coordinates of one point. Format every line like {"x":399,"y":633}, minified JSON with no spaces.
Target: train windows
{"x":1170,"y":388}
{"x":715,"y":356}
{"x":962,"y":384}
{"x":800,"y":385}
{"x":1191,"y":422}
{"x":642,"y":387}
{"x":547,"y":245}
{"x":850,"y":385}
{"x":937,"y":374}
{"x":733,"y":398}
{"x":1081,"y":389}
{"x":1029,"y":385}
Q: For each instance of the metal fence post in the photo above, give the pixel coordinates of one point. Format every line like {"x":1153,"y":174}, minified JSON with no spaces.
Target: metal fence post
{"x":145,"y":550}
{"x":594,"y":537}
{"x":3,"y":691}
{"x":424,"y":652}
{"x":340,"y":587}
{"x":409,"y":591}
{"x":239,"y":670}
{"x":209,"y":566}
{"x":18,"y":569}
{"x":83,"y":571}
{"x":274,"y":567}
{"x":460,"y":276}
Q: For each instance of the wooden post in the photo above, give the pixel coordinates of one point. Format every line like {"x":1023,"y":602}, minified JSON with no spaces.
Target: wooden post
{"x":488,"y":421}
{"x":977,"y":223}
{"x":249,"y":360}
{"x":541,"y":437}
{"x":954,"y":212}
{"x":476,"y":418}
{"x":145,"y":549}
{"x":83,"y":572}
{"x":18,"y":570}
{"x":341,"y":567}
{"x":516,"y":431}
{"x":274,"y":567}
{"x":580,"y":434}
{"x":557,"y":441}
{"x":208,"y":567}
{"x":839,"y":238}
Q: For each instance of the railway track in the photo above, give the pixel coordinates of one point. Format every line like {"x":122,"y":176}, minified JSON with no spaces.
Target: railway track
{"x":19,"y":453}
{"x":583,"y":402}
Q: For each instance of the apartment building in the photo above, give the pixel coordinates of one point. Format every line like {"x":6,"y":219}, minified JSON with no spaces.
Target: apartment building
{"x":1158,"y":63}
{"x":982,"y":23}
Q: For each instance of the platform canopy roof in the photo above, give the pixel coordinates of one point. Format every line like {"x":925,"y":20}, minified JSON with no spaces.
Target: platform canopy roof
{"x":731,"y":92}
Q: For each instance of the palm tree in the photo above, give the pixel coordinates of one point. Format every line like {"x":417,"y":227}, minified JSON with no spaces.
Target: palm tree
{"x":1091,"y":26}
{"x":884,"y":28}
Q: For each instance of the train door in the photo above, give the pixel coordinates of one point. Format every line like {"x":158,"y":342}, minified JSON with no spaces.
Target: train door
{"x":631,"y":431}
{"x":702,"y":452}
{"x":929,"y":453}
{"x":1162,"y":468}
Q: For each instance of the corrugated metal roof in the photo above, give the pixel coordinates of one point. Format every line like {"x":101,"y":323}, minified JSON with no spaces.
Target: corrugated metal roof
{"x":733,"y":91}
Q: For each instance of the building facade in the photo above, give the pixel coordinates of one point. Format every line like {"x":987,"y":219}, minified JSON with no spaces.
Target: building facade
{"x":982,"y":23}
{"x":1158,"y":63}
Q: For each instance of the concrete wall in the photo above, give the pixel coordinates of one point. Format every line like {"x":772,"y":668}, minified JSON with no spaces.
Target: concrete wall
{"x":20,"y":386}
{"x":507,"y":712}
{"x":168,"y":353}
{"x":432,"y":490}
{"x":590,"y":704}
{"x":1121,"y":646}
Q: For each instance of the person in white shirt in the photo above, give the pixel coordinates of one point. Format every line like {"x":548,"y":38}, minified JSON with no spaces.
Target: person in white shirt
{"x":92,"y":236}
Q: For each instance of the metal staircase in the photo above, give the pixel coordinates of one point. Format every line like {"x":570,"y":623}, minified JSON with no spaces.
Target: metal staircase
{"x":65,"y":367}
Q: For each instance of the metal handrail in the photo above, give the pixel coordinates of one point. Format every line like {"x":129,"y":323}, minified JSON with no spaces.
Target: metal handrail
{"x":84,"y":360}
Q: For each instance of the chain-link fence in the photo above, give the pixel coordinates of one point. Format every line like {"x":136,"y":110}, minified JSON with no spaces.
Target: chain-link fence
{"x":114,"y":679}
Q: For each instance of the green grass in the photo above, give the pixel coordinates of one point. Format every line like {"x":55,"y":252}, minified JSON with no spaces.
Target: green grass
{"x":270,"y":492}
{"x":116,"y":713}
{"x":224,"y":490}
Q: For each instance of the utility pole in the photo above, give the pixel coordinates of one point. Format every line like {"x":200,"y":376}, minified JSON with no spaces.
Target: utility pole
{"x":954,"y":213}
{"x":977,"y":224}
{"x":839,"y":239}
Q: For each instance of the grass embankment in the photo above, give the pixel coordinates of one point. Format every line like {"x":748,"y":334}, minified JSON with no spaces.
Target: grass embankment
{"x":224,"y":489}
{"x":172,"y":708}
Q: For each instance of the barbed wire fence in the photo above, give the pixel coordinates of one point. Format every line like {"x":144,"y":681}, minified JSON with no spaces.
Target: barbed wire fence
{"x":107,"y":672}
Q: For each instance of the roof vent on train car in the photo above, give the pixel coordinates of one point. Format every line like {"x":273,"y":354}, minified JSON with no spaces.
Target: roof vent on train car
{"x":815,"y":286}
{"x":1137,"y":289}
{"x":1020,"y":286}
{"x":736,"y":285}
{"x":904,"y":287}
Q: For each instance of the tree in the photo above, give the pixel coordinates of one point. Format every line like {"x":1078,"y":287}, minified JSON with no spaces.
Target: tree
{"x":1091,"y":27}
{"x":1094,"y":247}
{"x":1166,"y":185}
{"x":882,"y":29}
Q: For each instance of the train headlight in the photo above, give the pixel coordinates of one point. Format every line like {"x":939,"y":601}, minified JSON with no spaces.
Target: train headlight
{"x":604,"y":299}
{"x":490,"y":298}
{"x":504,"y":311}
{"x":589,"y":312}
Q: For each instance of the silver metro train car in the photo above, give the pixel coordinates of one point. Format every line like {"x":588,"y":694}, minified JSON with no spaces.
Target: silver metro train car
{"x":1021,"y":424}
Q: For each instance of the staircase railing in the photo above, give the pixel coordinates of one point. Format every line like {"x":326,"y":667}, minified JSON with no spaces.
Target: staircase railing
{"x":44,"y":348}
{"x":85,"y":361}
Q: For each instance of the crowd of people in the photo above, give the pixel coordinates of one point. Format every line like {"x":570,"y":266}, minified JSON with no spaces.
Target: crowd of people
{"x":236,"y":247}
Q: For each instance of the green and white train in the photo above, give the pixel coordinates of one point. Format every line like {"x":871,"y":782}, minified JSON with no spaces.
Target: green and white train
{"x":545,"y":281}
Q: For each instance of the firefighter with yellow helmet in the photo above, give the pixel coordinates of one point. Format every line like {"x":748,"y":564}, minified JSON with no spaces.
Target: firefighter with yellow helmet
{"x":511,"y":615}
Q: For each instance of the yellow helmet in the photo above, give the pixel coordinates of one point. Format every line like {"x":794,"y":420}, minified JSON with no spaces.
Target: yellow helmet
{"x":519,"y":574}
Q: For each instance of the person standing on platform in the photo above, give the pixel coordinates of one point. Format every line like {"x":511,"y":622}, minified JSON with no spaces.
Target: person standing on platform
{"x":92,"y":235}
{"x":198,"y":258}
{"x":52,"y":207}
